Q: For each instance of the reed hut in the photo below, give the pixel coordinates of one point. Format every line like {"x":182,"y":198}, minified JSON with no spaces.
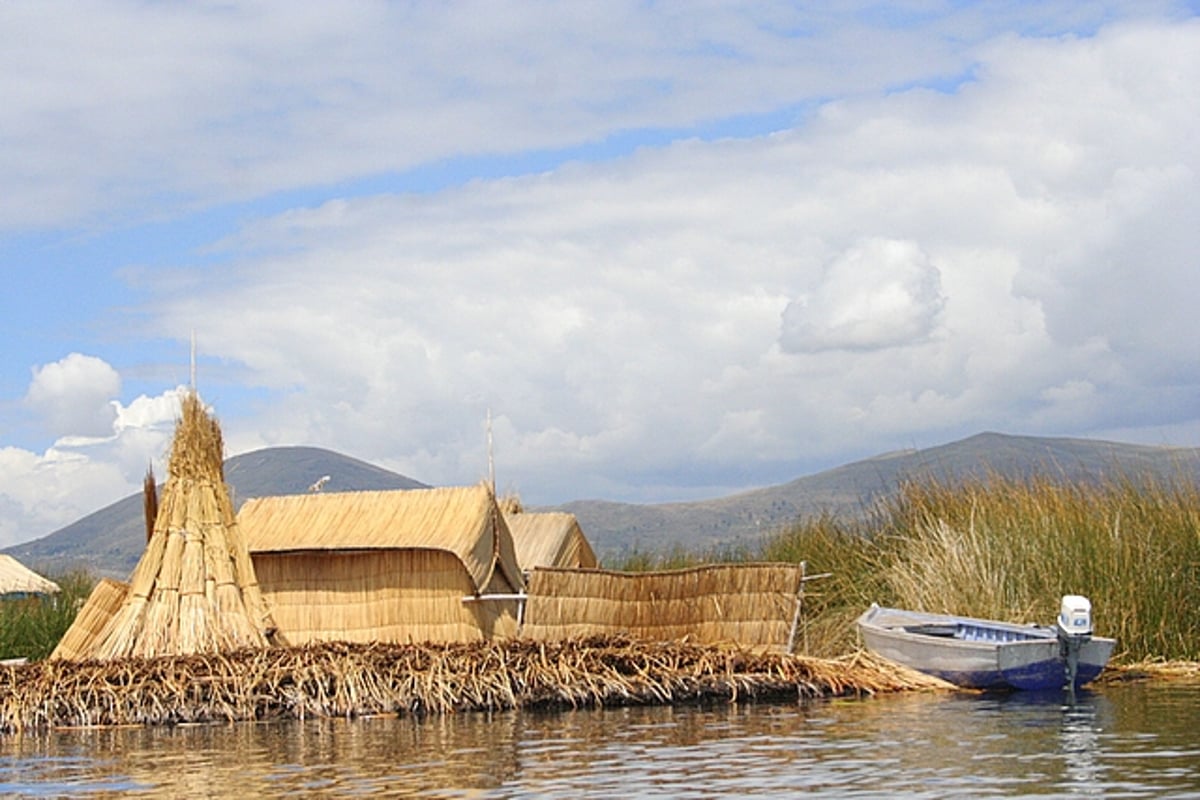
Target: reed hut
{"x":752,"y":605}
{"x":410,"y":566}
{"x":194,"y":589}
{"x":550,"y":539}
{"x":18,"y":581}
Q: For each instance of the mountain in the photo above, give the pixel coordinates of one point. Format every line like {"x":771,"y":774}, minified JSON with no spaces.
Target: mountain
{"x":855,"y":488}
{"x":111,"y":540}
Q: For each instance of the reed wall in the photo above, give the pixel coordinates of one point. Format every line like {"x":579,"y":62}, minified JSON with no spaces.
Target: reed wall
{"x":397,"y":596}
{"x":752,"y":605}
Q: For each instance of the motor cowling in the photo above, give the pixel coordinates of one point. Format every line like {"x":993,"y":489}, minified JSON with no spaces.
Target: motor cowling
{"x":1075,"y":617}
{"x":1074,"y":627}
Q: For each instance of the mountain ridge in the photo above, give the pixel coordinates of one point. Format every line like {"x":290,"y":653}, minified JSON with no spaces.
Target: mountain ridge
{"x":111,"y":540}
{"x":856,"y":487}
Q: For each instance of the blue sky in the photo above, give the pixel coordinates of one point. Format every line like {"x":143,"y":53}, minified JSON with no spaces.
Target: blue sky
{"x":675,"y":251}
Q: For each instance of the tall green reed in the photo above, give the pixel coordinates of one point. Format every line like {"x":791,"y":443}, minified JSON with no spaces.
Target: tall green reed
{"x":1009,"y":549}
{"x":31,"y":627}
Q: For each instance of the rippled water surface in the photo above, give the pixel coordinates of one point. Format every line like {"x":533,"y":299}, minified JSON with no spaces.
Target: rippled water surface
{"x":1119,"y":741}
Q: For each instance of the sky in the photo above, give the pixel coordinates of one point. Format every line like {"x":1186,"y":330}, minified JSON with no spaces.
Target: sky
{"x":671,"y":250}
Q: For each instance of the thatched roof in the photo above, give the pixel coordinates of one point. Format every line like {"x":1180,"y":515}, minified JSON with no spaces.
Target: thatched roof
{"x":550,"y":539}
{"x":16,"y":578}
{"x":194,"y":589}
{"x":464,"y":521}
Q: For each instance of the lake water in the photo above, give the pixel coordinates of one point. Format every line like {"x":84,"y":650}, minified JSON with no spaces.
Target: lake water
{"x":1137,"y":740}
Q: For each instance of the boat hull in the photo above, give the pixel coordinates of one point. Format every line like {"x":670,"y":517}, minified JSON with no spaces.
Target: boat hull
{"x":979,"y":654}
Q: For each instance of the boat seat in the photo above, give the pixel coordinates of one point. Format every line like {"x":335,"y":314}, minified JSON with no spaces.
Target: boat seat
{"x":946,"y":630}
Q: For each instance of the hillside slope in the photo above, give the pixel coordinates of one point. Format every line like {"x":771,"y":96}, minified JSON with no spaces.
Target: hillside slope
{"x":855,"y":488}
{"x":110,"y":541}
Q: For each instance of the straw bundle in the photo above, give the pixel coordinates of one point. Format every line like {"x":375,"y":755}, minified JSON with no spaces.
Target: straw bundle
{"x":102,"y":604}
{"x":344,"y":680}
{"x":750,"y":604}
{"x":149,"y":501}
{"x":194,"y":589}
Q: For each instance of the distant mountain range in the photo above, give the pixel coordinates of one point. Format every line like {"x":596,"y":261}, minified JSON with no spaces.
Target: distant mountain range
{"x":111,"y":540}
{"x":854,"y":489}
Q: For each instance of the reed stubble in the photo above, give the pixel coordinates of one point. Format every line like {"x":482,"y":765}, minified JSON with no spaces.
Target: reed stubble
{"x":354,"y":680}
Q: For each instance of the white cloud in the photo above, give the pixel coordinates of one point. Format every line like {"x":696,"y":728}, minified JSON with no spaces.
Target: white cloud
{"x":1015,"y":254}
{"x":81,"y":473}
{"x":622,"y":320}
{"x":40,"y":494}
{"x":73,"y":395}
{"x":879,"y":293}
{"x":150,"y":108}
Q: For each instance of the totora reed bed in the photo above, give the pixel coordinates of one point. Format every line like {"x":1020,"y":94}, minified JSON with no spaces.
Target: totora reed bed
{"x":351,"y":680}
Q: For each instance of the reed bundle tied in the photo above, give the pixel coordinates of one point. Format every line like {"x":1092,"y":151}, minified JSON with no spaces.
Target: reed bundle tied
{"x":347,"y":680}
{"x":194,"y":589}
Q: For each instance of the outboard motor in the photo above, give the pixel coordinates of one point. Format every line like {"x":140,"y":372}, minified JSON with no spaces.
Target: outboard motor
{"x":1074,"y":627}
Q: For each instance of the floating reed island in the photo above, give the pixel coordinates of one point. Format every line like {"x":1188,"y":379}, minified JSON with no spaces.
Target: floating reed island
{"x":357,"y":680}
{"x":317,"y":605}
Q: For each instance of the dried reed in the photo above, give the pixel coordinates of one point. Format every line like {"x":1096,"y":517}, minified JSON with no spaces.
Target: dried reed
{"x":149,"y":501}
{"x":194,"y":589}
{"x":1186,"y":671}
{"x":348,"y":680}
{"x":752,"y":604}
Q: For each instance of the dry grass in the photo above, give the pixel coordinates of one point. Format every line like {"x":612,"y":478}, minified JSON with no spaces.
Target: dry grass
{"x":345,"y":680}
{"x":1009,"y":549}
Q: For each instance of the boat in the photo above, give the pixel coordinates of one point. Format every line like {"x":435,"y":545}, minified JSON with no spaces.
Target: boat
{"x":985,"y":654}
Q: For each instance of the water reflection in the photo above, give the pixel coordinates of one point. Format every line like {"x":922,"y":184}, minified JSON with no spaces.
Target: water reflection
{"x":1137,"y":741}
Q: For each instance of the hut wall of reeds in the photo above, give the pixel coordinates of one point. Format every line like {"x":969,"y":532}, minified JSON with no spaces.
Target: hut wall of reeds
{"x":388,"y":566}
{"x":753,"y":605}
{"x":550,"y":539}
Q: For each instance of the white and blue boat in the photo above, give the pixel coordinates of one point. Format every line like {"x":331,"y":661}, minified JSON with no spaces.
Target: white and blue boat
{"x":983,"y":654}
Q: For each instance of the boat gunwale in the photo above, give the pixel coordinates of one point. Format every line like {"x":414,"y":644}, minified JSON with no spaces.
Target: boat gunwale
{"x":983,"y":665}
